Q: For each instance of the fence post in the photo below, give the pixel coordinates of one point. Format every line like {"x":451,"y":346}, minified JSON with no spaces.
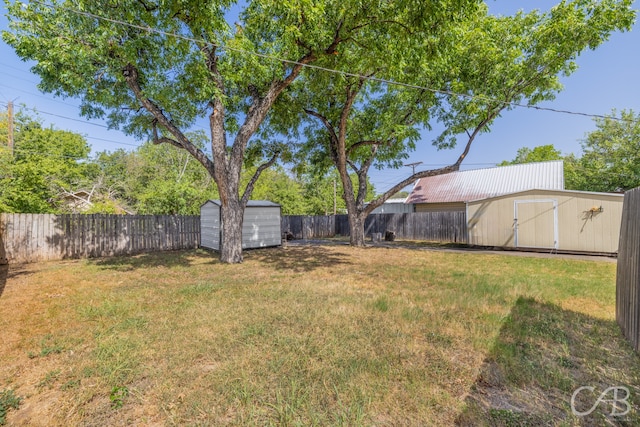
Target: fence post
{"x":628,"y":270}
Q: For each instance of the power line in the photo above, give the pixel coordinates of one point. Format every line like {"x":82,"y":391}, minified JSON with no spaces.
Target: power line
{"x":38,"y":95}
{"x":115,"y":142}
{"x":82,"y":121}
{"x":316,"y":67}
{"x":18,"y":77}
{"x":15,"y":68}
{"x":64,"y":103}
{"x":49,"y":155}
{"x":62,"y":117}
{"x":67,"y":118}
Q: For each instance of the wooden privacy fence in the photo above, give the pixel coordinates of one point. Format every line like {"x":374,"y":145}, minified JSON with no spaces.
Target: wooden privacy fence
{"x":431,"y":226}
{"x":309,"y":227}
{"x":628,"y":274}
{"x":42,"y":237}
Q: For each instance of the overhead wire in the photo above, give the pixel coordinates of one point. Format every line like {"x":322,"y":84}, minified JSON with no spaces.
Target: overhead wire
{"x":17,"y":77}
{"x":293,"y":62}
{"x":81,"y":121}
{"x":325,"y":69}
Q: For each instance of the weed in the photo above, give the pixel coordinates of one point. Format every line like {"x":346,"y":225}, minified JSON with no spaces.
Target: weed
{"x":381,"y":304}
{"x":510,"y":418}
{"x":117,"y":396}
{"x":49,"y":345}
{"x":49,"y":378}
{"x":69,"y":385}
{"x":199,"y":289}
{"x":8,"y":400}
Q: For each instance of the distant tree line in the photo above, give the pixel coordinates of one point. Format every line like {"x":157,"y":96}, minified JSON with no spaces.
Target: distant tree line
{"x":610,"y":160}
{"x":52,"y":171}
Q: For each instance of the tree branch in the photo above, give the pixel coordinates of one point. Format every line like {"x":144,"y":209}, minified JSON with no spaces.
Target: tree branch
{"x":333,"y":143}
{"x":353,"y":166}
{"x":362,"y":144}
{"x":131,"y":76}
{"x":381,"y":21}
{"x":433,"y":172}
{"x":249,"y":188}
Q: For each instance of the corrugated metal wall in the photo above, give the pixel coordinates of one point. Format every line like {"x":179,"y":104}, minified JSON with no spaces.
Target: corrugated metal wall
{"x":210,"y":226}
{"x":585,"y":222}
{"x":261,"y":226}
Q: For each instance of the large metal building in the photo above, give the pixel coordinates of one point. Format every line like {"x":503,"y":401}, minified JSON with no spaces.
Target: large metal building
{"x":261,"y":226}
{"x":451,"y":192}
{"x":561,"y":220}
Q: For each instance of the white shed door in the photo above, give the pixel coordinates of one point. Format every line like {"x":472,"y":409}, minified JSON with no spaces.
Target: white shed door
{"x":536,"y":224}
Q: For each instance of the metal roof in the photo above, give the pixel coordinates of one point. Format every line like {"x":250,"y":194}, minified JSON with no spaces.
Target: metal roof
{"x":477,"y":184}
{"x":565,"y":192}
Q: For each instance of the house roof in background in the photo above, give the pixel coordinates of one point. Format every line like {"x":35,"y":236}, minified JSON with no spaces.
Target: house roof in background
{"x":477,"y":184}
{"x":250,"y":203}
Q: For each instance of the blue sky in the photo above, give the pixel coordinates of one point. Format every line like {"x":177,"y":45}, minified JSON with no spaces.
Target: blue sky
{"x":607,"y":78}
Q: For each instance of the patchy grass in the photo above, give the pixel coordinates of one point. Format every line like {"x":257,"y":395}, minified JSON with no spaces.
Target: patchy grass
{"x":314,"y":336}
{"x":8,"y":400}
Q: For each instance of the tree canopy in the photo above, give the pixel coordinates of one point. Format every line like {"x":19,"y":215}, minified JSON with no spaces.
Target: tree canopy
{"x":462,"y":76}
{"x":541,"y":153}
{"x":610,"y":161}
{"x":45,"y":162}
{"x":156,"y":67}
{"x":611,"y":154}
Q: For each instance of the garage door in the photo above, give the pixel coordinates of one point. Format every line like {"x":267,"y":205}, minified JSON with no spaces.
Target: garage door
{"x":536,"y":224}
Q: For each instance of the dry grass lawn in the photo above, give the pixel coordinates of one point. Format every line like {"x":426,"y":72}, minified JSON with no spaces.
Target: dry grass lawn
{"x":325,"y":335}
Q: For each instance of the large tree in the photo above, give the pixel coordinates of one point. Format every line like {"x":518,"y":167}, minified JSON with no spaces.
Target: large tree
{"x":541,"y":153}
{"x":44,"y":163}
{"x":464,"y":74}
{"x":151,"y":66}
{"x":611,"y":154}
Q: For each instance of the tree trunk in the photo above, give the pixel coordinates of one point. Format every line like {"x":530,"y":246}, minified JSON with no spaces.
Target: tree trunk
{"x":356,"y":229}
{"x":232,"y":213}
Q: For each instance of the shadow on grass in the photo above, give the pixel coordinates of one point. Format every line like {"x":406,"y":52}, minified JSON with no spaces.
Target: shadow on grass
{"x":9,"y":272}
{"x":154,"y":259}
{"x":541,"y":357}
{"x":4,"y":272}
{"x":298,"y":258}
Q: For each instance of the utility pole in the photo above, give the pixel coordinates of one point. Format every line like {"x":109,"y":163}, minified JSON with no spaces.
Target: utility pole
{"x":413,"y":166}
{"x":10,"y":127}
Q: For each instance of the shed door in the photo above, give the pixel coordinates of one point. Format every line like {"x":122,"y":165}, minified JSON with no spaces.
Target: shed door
{"x":536,"y":223}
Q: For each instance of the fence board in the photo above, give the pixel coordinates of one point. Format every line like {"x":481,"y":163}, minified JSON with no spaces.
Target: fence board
{"x":628,"y":270}
{"x":431,"y":226}
{"x":33,"y":237}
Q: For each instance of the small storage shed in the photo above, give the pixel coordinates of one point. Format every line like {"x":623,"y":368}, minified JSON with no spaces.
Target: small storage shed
{"x":394,"y":206}
{"x":261,"y":225}
{"x":562,"y":220}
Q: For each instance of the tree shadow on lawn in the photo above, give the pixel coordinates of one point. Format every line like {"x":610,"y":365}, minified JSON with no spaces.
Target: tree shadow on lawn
{"x":9,"y":272}
{"x":155,"y":259}
{"x":4,"y":272}
{"x":541,"y":357}
{"x":298,"y":258}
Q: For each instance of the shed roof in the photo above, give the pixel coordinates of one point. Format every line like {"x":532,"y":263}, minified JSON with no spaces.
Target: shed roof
{"x":250,"y":203}
{"x":611,"y":196}
{"x":477,"y":184}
